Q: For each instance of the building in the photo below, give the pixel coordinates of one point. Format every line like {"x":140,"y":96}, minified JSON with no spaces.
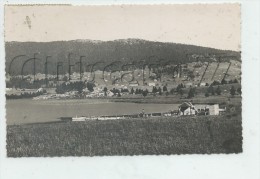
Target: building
{"x":40,"y":90}
{"x":210,"y":110}
{"x":202,"y":84}
{"x":189,"y":84}
{"x":187,"y":108}
{"x":133,"y":83}
{"x":151,"y":84}
{"x":214,"y":109}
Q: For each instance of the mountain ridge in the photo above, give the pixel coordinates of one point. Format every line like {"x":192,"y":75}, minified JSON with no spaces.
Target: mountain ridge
{"x":118,"y":40}
{"x":124,"y":50}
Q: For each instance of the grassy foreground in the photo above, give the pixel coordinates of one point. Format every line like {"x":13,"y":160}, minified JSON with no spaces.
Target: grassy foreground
{"x":169,"y":135}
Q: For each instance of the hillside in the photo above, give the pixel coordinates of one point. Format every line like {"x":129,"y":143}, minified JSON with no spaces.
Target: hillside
{"x":124,"y":50}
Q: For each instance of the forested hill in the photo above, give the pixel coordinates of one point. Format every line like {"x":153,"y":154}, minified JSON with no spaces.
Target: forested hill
{"x":125,"y":51}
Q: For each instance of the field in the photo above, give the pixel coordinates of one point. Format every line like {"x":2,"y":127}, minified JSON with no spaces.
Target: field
{"x":165,"y":136}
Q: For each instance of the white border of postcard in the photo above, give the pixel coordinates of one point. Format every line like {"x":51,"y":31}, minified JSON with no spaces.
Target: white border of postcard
{"x":213,"y":166}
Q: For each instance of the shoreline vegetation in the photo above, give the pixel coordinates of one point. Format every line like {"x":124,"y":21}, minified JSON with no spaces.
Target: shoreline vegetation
{"x":162,"y":100}
{"x":200,"y":95}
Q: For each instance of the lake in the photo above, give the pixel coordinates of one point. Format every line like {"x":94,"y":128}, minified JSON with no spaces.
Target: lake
{"x":33,"y":111}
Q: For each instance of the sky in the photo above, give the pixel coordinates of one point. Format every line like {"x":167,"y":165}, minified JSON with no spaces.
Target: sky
{"x":212,"y":25}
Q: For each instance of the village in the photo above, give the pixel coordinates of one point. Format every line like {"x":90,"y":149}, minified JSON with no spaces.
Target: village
{"x":99,"y":84}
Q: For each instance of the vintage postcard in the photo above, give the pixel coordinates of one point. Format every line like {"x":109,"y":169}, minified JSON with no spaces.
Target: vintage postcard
{"x":123,"y":80}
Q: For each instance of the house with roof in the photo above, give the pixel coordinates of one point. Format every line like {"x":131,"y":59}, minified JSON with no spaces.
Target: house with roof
{"x":133,"y":83}
{"x":187,"y":108}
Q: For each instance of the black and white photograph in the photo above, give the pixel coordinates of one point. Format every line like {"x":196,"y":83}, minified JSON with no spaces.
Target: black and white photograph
{"x":123,"y":80}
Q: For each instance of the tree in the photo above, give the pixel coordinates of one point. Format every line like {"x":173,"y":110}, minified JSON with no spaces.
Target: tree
{"x":180,"y":91}
{"x":239,"y":91}
{"x":180,"y":86}
{"x":172,"y":91}
{"x":191,"y":75}
{"x":79,"y":86}
{"x":235,"y":81}
{"x":232,"y":91}
{"x":191,"y":93}
{"x":218,"y":91}
{"x":145,"y":92}
{"x":154,"y":90}
{"x":165,"y":89}
{"x":90,"y":86}
{"x":132,"y":91}
{"x":223,"y":82}
{"x":60,"y":90}
{"x":115,"y":91}
{"x":215,"y":83}
{"x":105,"y":89}
{"x":65,"y":78}
{"x":136,"y":91}
{"x":211,"y":90}
{"x":124,"y":90}
{"x":160,"y":91}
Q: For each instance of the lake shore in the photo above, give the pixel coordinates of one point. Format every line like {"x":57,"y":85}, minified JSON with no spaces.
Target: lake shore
{"x":32,"y":111}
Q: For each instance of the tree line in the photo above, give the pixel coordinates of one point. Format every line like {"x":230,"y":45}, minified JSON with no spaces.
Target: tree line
{"x":24,"y":95}
{"x":74,"y":86}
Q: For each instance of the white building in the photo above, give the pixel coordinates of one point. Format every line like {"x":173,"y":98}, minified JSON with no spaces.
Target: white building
{"x":203,"y":84}
{"x":187,"y":108}
{"x":213,"y":109}
{"x":151,"y":84}
{"x":109,"y":93}
{"x":210,"y":109}
{"x":133,"y":84}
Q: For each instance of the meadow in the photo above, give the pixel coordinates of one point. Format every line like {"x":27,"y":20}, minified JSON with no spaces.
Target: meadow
{"x":154,"y":136}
